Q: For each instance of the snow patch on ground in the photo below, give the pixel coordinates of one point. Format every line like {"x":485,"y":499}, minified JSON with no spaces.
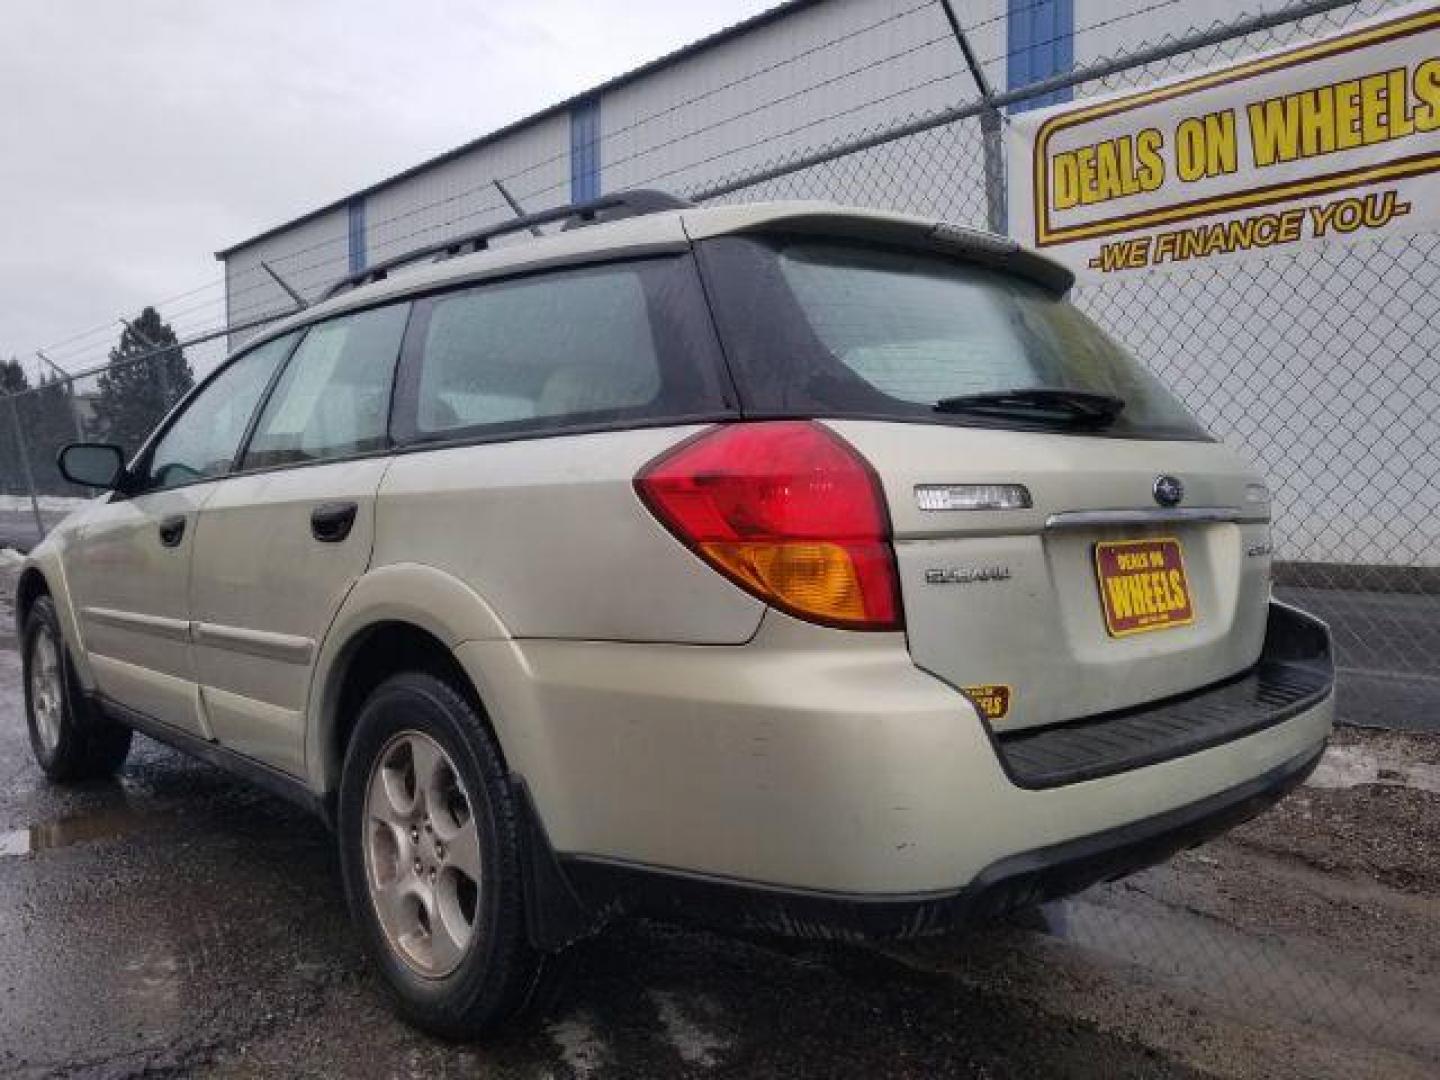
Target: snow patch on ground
{"x":580,"y":1043}
{"x":696,"y":1045}
{"x":1351,"y":766}
{"x":9,"y":557}
{"x":52,"y":503}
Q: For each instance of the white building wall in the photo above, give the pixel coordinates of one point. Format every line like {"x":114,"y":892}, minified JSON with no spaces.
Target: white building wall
{"x":792,"y":86}
{"x":310,"y":257}
{"x":459,"y":195}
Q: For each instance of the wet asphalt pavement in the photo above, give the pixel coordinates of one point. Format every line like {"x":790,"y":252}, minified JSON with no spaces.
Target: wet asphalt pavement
{"x":178,"y":922}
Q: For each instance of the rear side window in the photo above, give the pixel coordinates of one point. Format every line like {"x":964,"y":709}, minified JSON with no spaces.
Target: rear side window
{"x":333,"y":399}
{"x":830,"y":328}
{"x":591,"y":347}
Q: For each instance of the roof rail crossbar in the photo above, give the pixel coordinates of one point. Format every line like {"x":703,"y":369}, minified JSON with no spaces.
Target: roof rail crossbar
{"x":620,"y":204}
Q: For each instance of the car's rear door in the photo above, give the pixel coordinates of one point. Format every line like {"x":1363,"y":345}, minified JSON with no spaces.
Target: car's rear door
{"x":281,"y":542}
{"x":129,"y":569}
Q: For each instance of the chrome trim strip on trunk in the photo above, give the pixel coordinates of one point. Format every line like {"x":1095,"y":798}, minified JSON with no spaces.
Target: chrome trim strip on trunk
{"x":1089,"y":519}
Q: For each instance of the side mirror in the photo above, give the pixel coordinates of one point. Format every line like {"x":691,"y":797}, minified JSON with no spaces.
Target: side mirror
{"x":97,"y":465}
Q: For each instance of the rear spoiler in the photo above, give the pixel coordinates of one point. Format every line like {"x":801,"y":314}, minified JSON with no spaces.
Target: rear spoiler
{"x":972,"y":245}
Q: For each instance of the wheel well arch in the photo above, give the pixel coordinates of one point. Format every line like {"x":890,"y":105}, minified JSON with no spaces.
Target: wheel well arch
{"x":367,"y":659}
{"x":31,"y":587}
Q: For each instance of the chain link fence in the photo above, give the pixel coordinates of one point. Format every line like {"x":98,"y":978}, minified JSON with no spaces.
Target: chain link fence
{"x":1320,"y":364}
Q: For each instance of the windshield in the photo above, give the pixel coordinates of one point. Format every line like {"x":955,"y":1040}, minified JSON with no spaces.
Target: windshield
{"x":844,"y":329}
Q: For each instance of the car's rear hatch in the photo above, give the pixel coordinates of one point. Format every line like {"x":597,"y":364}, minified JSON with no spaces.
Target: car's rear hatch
{"x":1012,"y":602}
{"x":1087,"y":588}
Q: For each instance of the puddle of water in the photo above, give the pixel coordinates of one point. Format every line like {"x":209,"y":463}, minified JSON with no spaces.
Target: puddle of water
{"x":101,"y":825}
{"x":1351,"y":766}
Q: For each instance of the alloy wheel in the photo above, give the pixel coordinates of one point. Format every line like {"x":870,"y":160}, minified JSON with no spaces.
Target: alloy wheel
{"x":422,"y":854}
{"x":47,"y":690}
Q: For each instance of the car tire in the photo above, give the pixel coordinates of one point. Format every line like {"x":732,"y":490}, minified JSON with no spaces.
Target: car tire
{"x":445,"y":926}
{"x":71,"y":739}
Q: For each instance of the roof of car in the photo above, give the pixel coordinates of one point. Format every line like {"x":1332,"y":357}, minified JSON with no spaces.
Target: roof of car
{"x":674,"y":230}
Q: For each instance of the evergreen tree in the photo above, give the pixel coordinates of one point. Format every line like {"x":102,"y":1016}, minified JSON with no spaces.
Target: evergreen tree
{"x":13,"y":380}
{"x":48,"y":420}
{"x":136,"y":393}
{"x":12,"y":377}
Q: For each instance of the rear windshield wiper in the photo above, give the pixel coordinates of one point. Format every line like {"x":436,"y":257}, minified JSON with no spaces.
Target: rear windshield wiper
{"x":1043,"y":404}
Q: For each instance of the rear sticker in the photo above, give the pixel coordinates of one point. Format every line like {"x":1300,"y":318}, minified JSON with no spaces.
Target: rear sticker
{"x":993,"y":700}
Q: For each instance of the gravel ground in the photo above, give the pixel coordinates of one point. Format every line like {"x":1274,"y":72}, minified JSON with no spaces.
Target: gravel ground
{"x":177,"y":922}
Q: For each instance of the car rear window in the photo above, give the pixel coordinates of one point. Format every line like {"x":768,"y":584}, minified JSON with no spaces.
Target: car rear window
{"x":591,"y":347}
{"x":840,"y":329}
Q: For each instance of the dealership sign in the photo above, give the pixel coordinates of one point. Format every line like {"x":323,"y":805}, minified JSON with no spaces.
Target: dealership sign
{"x":1335,"y":139}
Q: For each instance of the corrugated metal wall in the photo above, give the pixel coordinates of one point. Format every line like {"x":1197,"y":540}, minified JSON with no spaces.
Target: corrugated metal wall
{"x":309,"y":256}
{"x":459,"y":195}
{"x":820,"y":74}
{"x":814,"y":76}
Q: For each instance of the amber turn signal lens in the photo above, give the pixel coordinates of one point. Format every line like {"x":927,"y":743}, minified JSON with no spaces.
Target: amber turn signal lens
{"x":809,"y":577}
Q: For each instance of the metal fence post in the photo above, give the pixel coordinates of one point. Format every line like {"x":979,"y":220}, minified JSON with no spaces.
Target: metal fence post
{"x":992,"y":124}
{"x":25,"y":467}
{"x":69,"y":394}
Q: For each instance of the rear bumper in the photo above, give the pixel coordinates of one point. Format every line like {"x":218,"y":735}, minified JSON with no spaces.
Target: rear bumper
{"x":819,"y":764}
{"x":1015,"y":881}
{"x":1295,"y":672}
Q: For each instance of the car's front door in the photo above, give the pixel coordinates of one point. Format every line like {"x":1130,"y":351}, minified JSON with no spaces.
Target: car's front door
{"x":280,"y":544}
{"x":129,"y":568}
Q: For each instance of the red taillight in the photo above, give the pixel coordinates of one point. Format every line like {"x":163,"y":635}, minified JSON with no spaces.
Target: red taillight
{"x":787,"y":510}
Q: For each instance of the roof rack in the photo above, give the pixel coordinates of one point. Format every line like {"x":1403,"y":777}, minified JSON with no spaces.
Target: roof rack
{"x":613,"y":207}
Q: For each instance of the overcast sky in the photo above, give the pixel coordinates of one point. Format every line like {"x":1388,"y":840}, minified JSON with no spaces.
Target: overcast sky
{"x":139,"y":136}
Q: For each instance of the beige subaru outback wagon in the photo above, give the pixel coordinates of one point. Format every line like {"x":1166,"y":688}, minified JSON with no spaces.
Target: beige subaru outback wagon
{"x":783,"y":566}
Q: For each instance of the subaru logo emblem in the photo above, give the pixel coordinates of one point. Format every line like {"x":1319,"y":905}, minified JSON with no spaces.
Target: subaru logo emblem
{"x":1168,"y":491}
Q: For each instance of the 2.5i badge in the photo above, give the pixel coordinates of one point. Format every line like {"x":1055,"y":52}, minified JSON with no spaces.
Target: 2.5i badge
{"x":1142,"y":586}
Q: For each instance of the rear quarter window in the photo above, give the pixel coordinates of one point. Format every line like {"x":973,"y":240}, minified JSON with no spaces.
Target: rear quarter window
{"x":586,"y":348}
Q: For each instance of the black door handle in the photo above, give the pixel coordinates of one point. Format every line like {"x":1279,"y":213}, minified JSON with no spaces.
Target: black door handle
{"x":330,"y":522}
{"x":172,"y":531}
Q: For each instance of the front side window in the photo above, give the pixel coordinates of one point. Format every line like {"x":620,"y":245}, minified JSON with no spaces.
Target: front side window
{"x":333,"y":399}
{"x":584,"y":347}
{"x":204,"y":439}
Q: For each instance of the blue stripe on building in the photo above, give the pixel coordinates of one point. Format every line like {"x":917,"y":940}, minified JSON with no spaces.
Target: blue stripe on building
{"x":356,"y":211}
{"x":585,"y":151}
{"x":1040,"y":43}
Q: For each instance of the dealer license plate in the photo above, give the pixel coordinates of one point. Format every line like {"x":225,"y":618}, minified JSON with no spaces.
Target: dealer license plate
{"x":1142,"y":586}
